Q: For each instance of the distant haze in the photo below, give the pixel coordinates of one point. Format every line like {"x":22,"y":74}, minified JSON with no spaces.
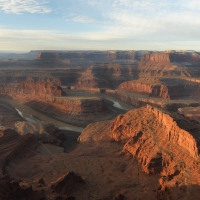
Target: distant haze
{"x":99,"y":25}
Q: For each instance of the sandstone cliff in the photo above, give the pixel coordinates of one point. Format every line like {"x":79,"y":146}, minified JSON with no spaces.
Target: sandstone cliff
{"x":173,"y":90}
{"x":30,"y":89}
{"x":77,"y":111}
{"x":166,"y":146}
{"x":156,"y":57}
{"x":170,"y":57}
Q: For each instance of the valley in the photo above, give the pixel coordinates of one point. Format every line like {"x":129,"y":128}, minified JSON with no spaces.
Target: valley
{"x":100,"y":125}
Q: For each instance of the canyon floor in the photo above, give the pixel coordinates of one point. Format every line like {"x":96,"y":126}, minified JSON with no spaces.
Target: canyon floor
{"x":100,"y":125}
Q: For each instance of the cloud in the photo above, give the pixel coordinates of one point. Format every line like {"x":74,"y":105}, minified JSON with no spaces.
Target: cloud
{"x":117,"y":23}
{"x":135,"y":18}
{"x":46,"y":39}
{"x":31,"y":35}
{"x":83,"y":19}
{"x":22,"y":6}
{"x":168,"y":20}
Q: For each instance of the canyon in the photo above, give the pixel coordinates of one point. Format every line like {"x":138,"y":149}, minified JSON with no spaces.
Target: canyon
{"x":50,"y":98}
{"x":87,"y":125}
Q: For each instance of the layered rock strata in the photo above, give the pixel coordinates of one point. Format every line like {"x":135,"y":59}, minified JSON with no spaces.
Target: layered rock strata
{"x":29,"y":90}
{"x":49,"y":98}
{"x":165,"y":146}
{"x":77,"y":111}
{"x":170,"y":57}
{"x":94,"y":56}
{"x":158,"y":89}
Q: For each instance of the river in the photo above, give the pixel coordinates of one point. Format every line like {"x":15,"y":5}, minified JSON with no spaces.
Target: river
{"x":34,"y":116}
{"x":117,"y":103}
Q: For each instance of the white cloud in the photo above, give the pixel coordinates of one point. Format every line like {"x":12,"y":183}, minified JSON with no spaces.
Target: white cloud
{"x":169,"y":20}
{"x":83,"y":19}
{"x":120,"y":22}
{"x":22,"y":6}
{"x":31,"y":35}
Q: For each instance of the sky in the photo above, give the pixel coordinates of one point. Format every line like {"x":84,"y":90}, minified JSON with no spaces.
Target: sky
{"x":99,"y":25}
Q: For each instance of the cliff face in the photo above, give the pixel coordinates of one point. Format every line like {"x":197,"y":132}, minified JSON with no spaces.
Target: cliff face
{"x":158,"y":141}
{"x":89,"y":80}
{"x":157,"y":125}
{"x":82,"y":106}
{"x":47,"y":56}
{"x":156,"y":57}
{"x":29,"y":90}
{"x":165,"y":146}
{"x":95,"y":56}
{"x":75,"y":111}
{"x":169,"y":57}
{"x":106,"y":75}
{"x":173,"y":91}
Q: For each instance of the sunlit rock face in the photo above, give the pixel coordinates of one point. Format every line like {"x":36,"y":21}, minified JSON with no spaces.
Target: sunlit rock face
{"x":155,"y":88}
{"x":164,"y":144}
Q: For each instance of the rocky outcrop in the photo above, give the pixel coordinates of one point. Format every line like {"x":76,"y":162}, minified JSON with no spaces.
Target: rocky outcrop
{"x":106,"y":75}
{"x":165,"y":145}
{"x":17,"y":189}
{"x":139,"y":100}
{"x":68,"y":183}
{"x":115,"y":73}
{"x":156,"y":88}
{"x":170,"y":57}
{"x":161,"y":144}
{"x":46,"y":133}
{"x":29,"y":90}
{"x":156,"y":57}
{"x":95,"y":56}
{"x":12,"y":189}
{"x":12,"y":144}
{"x":169,"y":64}
{"x":89,"y":80}
{"x":78,"y":111}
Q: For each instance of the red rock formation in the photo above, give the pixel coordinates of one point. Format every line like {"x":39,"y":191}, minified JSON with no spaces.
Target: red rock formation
{"x":156,"y":88}
{"x":47,"y":97}
{"x":114,"y":73}
{"x":166,"y":146}
{"x":169,"y":57}
{"x":29,"y":90}
{"x":159,"y":143}
{"x":77,"y":111}
{"x":156,"y":57}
